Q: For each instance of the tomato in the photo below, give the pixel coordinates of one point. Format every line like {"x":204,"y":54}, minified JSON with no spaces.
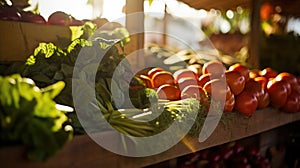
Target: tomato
{"x":197,"y":68}
{"x":184,"y":73}
{"x":266,"y":10}
{"x":194,"y":91}
{"x":278,"y":93}
{"x":229,"y":104}
{"x":264,"y":101}
{"x":256,"y":88}
{"x":203,"y":79}
{"x":168,"y":92}
{"x":219,"y":88}
{"x":297,"y":89}
{"x":28,"y":16}
{"x":292,"y":104}
{"x":160,"y":78}
{"x":241,"y":69}
{"x":263,"y":81}
{"x":236,"y":81}
{"x":146,"y":80}
{"x":253,"y":73}
{"x":75,"y":22}
{"x":288,"y":86}
{"x":144,"y":71}
{"x":291,"y":79}
{"x":59,"y":18}
{"x":246,"y":103}
{"x":268,"y":73}
{"x":215,"y":68}
{"x":153,"y":71}
{"x":184,"y":82}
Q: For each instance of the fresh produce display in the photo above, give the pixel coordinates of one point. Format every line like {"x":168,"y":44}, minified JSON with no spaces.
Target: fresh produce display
{"x":12,"y":13}
{"x":225,"y":156}
{"x":245,"y":90}
{"x":29,"y":116}
{"x":50,"y":64}
{"x":175,"y":93}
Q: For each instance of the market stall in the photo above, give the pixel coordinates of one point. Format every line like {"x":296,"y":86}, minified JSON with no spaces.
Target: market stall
{"x":50,"y":106}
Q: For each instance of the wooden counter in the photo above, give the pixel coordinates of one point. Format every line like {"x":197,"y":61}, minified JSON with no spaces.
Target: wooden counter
{"x":84,"y":152}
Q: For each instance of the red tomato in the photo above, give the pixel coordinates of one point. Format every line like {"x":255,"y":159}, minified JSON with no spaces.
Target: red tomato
{"x":268,"y":73}
{"x":292,"y":104}
{"x":197,"y":68}
{"x":256,"y":88}
{"x":246,"y":103}
{"x":203,"y":79}
{"x":253,"y":73}
{"x":75,"y":22}
{"x":153,"y":71}
{"x":28,"y":16}
{"x":215,"y":68}
{"x":266,"y":11}
{"x":59,"y":18}
{"x":236,"y":81}
{"x":184,"y":73}
{"x":194,"y":91}
{"x":288,"y":87}
{"x":263,"y":81}
{"x":291,"y":79}
{"x":297,"y":89}
{"x":229,"y":104}
{"x":168,"y":92}
{"x":264,"y":101}
{"x":184,"y":82}
{"x":160,"y":78}
{"x":144,"y":71}
{"x":241,"y":69}
{"x":146,"y":80}
{"x":218,"y":88}
{"x":278,"y":93}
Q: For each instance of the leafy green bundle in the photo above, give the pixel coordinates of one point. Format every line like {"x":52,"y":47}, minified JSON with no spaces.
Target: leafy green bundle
{"x":28,"y":115}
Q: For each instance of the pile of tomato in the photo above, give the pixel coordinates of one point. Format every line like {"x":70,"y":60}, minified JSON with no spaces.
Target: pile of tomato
{"x":243,"y":90}
{"x":12,"y":13}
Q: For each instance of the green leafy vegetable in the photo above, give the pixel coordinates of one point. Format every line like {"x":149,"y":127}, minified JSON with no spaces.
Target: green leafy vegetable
{"x":28,"y":115}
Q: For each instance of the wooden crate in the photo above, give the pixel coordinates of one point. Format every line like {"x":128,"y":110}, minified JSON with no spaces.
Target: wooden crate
{"x":19,"y":39}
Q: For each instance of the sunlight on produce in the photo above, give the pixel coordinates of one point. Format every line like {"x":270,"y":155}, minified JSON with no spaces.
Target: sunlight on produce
{"x":188,"y":144}
{"x":188,"y":83}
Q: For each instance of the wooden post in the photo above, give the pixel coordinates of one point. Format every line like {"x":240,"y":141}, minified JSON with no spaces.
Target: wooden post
{"x":135,"y":26}
{"x":165,"y":24}
{"x":255,"y":34}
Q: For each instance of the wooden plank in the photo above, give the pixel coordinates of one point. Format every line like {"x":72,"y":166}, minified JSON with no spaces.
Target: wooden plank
{"x":237,"y":128}
{"x":255,"y":34}
{"x":84,"y":152}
